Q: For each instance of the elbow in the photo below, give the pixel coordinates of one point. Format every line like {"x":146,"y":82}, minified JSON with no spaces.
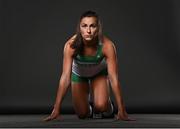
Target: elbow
{"x":64,"y":81}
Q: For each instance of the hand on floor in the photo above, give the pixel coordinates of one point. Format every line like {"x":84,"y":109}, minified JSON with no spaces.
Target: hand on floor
{"x":54,"y":116}
{"x":123,"y":116}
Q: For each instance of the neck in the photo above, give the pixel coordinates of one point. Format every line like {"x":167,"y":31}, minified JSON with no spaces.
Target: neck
{"x":91,"y":43}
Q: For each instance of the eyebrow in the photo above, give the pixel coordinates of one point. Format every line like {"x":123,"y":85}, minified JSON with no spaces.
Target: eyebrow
{"x":90,"y":24}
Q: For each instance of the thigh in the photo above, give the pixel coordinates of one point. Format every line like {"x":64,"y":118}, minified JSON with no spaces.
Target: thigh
{"x":100,"y":90}
{"x":80,"y":93}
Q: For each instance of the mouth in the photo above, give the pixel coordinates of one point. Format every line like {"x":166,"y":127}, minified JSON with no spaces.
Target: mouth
{"x":87,"y":36}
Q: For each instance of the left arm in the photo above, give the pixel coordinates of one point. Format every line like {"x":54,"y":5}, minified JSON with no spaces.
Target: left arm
{"x":109,"y":51}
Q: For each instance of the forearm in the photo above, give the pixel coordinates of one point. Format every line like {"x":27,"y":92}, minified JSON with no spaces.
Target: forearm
{"x":116,"y":88}
{"x":119,"y":98}
{"x":62,"y":90}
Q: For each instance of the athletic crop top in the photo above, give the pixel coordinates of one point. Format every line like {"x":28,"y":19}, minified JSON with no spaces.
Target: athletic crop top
{"x":88,"y":66}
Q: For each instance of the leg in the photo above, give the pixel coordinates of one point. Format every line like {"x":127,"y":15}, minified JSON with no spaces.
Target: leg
{"x":80,"y":92}
{"x":100,"y":90}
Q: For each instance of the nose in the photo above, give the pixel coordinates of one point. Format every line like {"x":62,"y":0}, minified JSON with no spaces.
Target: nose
{"x":89,"y":30}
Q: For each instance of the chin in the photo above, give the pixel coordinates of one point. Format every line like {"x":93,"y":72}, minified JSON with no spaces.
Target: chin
{"x":88,"y":39}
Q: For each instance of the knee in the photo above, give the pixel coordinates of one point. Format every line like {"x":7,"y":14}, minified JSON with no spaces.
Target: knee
{"x":82,"y":115}
{"x":100,"y":107}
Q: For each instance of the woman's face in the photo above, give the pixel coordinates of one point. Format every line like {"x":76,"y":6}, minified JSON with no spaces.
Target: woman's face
{"x":89,"y":28}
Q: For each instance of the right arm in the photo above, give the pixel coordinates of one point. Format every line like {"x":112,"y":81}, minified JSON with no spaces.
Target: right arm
{"x":64,"y":81}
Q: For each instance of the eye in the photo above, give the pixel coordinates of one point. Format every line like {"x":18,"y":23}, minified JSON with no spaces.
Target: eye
{"x":83,"y":25}
{"x":93,"y":26}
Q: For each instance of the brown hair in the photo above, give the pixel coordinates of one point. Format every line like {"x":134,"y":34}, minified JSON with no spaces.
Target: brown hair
{"x":78,"y":42}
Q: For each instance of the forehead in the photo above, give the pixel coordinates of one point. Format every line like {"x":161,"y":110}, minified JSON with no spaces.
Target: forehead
{"x":89,"y":20}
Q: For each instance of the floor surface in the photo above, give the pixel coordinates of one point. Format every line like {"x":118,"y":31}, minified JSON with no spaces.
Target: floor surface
{"x":71,"y":121}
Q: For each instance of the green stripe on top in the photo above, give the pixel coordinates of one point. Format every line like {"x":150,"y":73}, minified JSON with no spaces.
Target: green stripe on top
{"x":93,"y":59}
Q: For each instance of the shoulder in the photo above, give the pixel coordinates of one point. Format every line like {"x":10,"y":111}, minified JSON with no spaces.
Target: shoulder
{"x":67,"y":46}
{"x":108,"y":46}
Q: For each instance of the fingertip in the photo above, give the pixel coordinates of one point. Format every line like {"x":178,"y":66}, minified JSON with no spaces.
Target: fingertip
{"x":47,"y":119}
{"x":44,"y":120}
{"x":131,"y":119}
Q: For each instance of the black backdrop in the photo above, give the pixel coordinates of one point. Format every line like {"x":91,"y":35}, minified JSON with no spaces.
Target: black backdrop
{"x":146,"y":34}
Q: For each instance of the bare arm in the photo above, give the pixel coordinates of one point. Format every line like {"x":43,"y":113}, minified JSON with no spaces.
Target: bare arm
{"x":64,"y":81}
{"x":109,"y":51}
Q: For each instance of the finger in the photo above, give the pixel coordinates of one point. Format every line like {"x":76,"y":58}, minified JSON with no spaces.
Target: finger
{"x":128,"y":119}
{"x":124,"y":118}
{"x":58,"y":118}
{"x":131,"y":119}
{"x":117,"y":117}
{"x":47,"y":118}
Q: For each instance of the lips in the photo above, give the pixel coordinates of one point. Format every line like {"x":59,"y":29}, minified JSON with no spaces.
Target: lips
{"x":88,"y":36}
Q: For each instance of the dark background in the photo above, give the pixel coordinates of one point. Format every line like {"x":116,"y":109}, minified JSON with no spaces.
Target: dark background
{"x":146,"y":34}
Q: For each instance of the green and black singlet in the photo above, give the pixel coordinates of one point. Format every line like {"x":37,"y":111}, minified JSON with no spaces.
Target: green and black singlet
{"x":85,"y":68}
